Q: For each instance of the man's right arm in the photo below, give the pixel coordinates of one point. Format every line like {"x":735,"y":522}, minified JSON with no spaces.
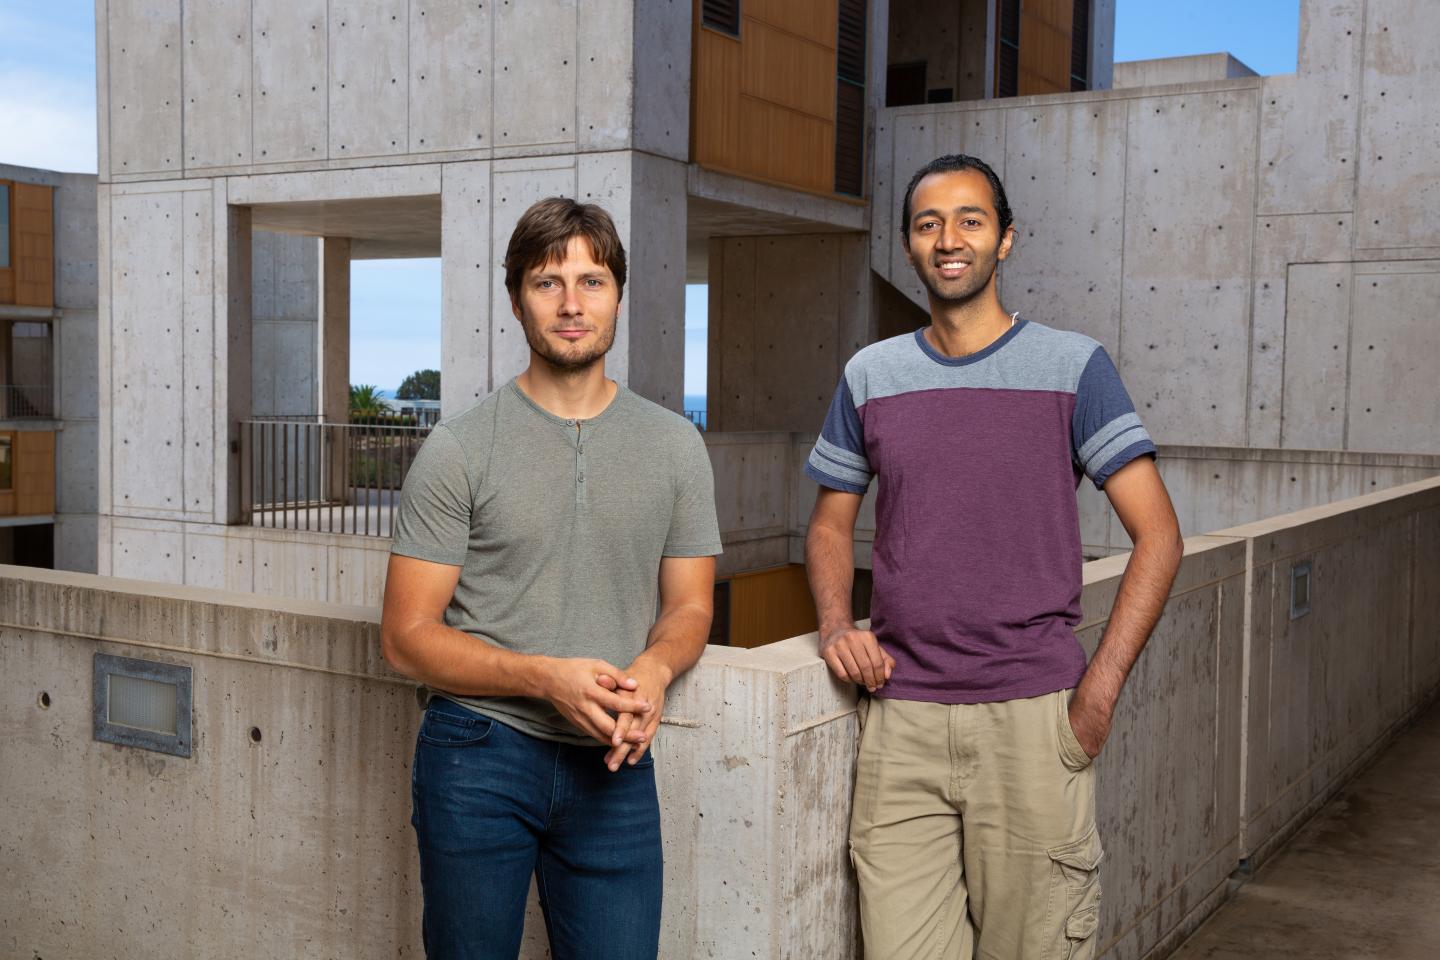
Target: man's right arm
{"x":851,"y":653}
{"x":415,"y":641}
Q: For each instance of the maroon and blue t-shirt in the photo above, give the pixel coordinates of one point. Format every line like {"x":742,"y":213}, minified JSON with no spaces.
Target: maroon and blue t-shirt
{"x":976,"y":559}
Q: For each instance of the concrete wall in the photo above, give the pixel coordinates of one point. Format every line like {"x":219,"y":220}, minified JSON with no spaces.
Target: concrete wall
{"x":1214,"y":488}
{"x":1195,"y":69}
{"x":1235,"y":722}
{"x":1325,"y":688}
{"x":785,"y":314}
{"x":434,"y":124}
{"x":1256,"y":253}
{"x":262,"y":86}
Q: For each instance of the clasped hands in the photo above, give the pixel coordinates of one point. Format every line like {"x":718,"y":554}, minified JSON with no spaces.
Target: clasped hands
{"x":619,"y":708}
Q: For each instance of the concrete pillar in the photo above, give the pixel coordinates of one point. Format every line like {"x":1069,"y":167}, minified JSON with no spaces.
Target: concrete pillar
{"x":285,"y":303}
{"x":332,"y":345}
{"x":233,"y":402}
{"x":332,"y":358}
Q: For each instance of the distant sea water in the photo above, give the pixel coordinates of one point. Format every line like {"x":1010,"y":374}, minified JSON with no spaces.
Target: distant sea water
{"x":694,"y":401}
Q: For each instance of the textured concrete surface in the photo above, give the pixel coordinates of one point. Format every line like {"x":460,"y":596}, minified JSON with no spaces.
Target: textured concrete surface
{"x":1361,"y":879}
{"x":785,"y":313}
{"x":1218,"y":487}
{"x":1256,"y":253}
{"x":1234,"y":726}
{"x":1192,"y":69}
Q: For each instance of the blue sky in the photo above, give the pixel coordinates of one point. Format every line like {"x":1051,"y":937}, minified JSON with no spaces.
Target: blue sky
{"x":47,"y":93}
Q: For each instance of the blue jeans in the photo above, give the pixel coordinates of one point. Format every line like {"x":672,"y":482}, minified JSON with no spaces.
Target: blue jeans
{"x":492,"y":806}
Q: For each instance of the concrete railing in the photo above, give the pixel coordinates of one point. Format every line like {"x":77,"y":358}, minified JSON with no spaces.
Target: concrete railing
{"x":287,"y":830}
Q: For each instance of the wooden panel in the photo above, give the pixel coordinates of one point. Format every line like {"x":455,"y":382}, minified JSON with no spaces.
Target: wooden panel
{"x":763,"y":107}
{"x":770,"y":605}
{"x":715,"y":96}
{"x":34,"y":472}
{"x":33,"y":253}
{"x":813,"y":19}
{"x":786,"y":70}
{"x":1045,"y":27}
{"x":786,"y":147}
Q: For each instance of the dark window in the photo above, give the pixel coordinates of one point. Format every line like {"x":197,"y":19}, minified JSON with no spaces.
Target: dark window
{"x":1007,"y":60}
{"x":1080,"y":47}
{"x":940,"y":95}
{"x":721,"y":15}
{"x":860,"y":593}
{"x":905,"y":84}
{"x":850,"y":99}
{"x":720,"y":621}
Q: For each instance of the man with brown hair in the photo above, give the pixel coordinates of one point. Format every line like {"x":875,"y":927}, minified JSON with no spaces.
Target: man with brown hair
{"x":539,"y":532}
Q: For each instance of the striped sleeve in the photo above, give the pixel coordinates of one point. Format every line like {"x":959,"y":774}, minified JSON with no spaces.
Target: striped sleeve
{"x":838,"y":460}
{"x":1105,"y":431}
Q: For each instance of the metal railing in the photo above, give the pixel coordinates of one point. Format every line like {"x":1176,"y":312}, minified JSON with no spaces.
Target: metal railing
{"x":299,"y":474}
{"x":27,"y":401}
{"x":696,"y":417}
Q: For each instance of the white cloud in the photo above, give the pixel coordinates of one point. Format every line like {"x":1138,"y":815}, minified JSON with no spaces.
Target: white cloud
{"x":49,"y":122}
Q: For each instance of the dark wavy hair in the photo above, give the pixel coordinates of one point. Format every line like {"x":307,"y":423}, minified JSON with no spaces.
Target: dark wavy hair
{"x":544,"y":233}
{"x":950,"y":163}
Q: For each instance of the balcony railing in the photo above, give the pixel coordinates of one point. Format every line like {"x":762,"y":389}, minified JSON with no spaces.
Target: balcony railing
{"x":30,"y":401}
{"x":299,"y":474}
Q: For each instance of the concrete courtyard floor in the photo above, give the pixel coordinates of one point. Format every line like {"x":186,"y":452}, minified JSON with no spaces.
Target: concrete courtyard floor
{"x":1360,"y":880}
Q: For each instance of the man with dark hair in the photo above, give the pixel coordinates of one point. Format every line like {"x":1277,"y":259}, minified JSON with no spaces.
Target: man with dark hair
{"x":537,"y":533}
{"x":973,"y":825}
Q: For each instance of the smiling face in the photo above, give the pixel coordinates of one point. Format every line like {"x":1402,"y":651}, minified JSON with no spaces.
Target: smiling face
{"x":953,"y":239}
{"x":568,"y":309}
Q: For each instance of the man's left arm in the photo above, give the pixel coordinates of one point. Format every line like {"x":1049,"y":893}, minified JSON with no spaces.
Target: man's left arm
{"x":687,"y":599}
{"x":1141,"y":502}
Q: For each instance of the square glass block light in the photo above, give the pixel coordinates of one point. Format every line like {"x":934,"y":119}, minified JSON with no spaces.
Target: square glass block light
{"x":141,"y":703}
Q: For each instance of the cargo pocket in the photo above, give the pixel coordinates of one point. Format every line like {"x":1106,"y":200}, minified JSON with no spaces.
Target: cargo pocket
{"x":1075,"y":896}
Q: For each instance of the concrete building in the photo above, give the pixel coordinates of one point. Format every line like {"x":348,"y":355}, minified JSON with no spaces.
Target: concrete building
{"x":1259,"y":254}
{"x":48,"y":368}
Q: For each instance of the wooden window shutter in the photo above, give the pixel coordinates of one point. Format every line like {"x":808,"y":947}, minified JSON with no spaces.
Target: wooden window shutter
{"x":33,"y":256}
{"x":723,"y":15}
{"x":850,"y":99}
{"x":1080,"y":47}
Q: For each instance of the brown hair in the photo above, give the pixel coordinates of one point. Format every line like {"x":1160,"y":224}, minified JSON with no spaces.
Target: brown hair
{"x":544,"y":232}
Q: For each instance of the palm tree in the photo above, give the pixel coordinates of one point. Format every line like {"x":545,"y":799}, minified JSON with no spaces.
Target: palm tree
{"x":365,"y":402}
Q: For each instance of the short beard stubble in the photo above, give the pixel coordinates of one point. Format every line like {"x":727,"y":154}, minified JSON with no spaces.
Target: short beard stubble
{"x":575,"y":360}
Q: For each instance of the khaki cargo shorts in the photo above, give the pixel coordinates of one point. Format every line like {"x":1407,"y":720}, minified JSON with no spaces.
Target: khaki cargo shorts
{"x":973,"y":831}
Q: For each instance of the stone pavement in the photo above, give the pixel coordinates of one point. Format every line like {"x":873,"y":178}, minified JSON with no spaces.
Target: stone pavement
{"x":1361,"y":880}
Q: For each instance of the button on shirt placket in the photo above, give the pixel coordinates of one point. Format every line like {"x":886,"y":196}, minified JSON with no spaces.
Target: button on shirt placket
{"x":579,"y":426}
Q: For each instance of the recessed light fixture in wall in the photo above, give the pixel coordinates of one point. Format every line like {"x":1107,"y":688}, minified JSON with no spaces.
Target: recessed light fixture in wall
{"x":142,"y":703}
{"x":1299,"y":589}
